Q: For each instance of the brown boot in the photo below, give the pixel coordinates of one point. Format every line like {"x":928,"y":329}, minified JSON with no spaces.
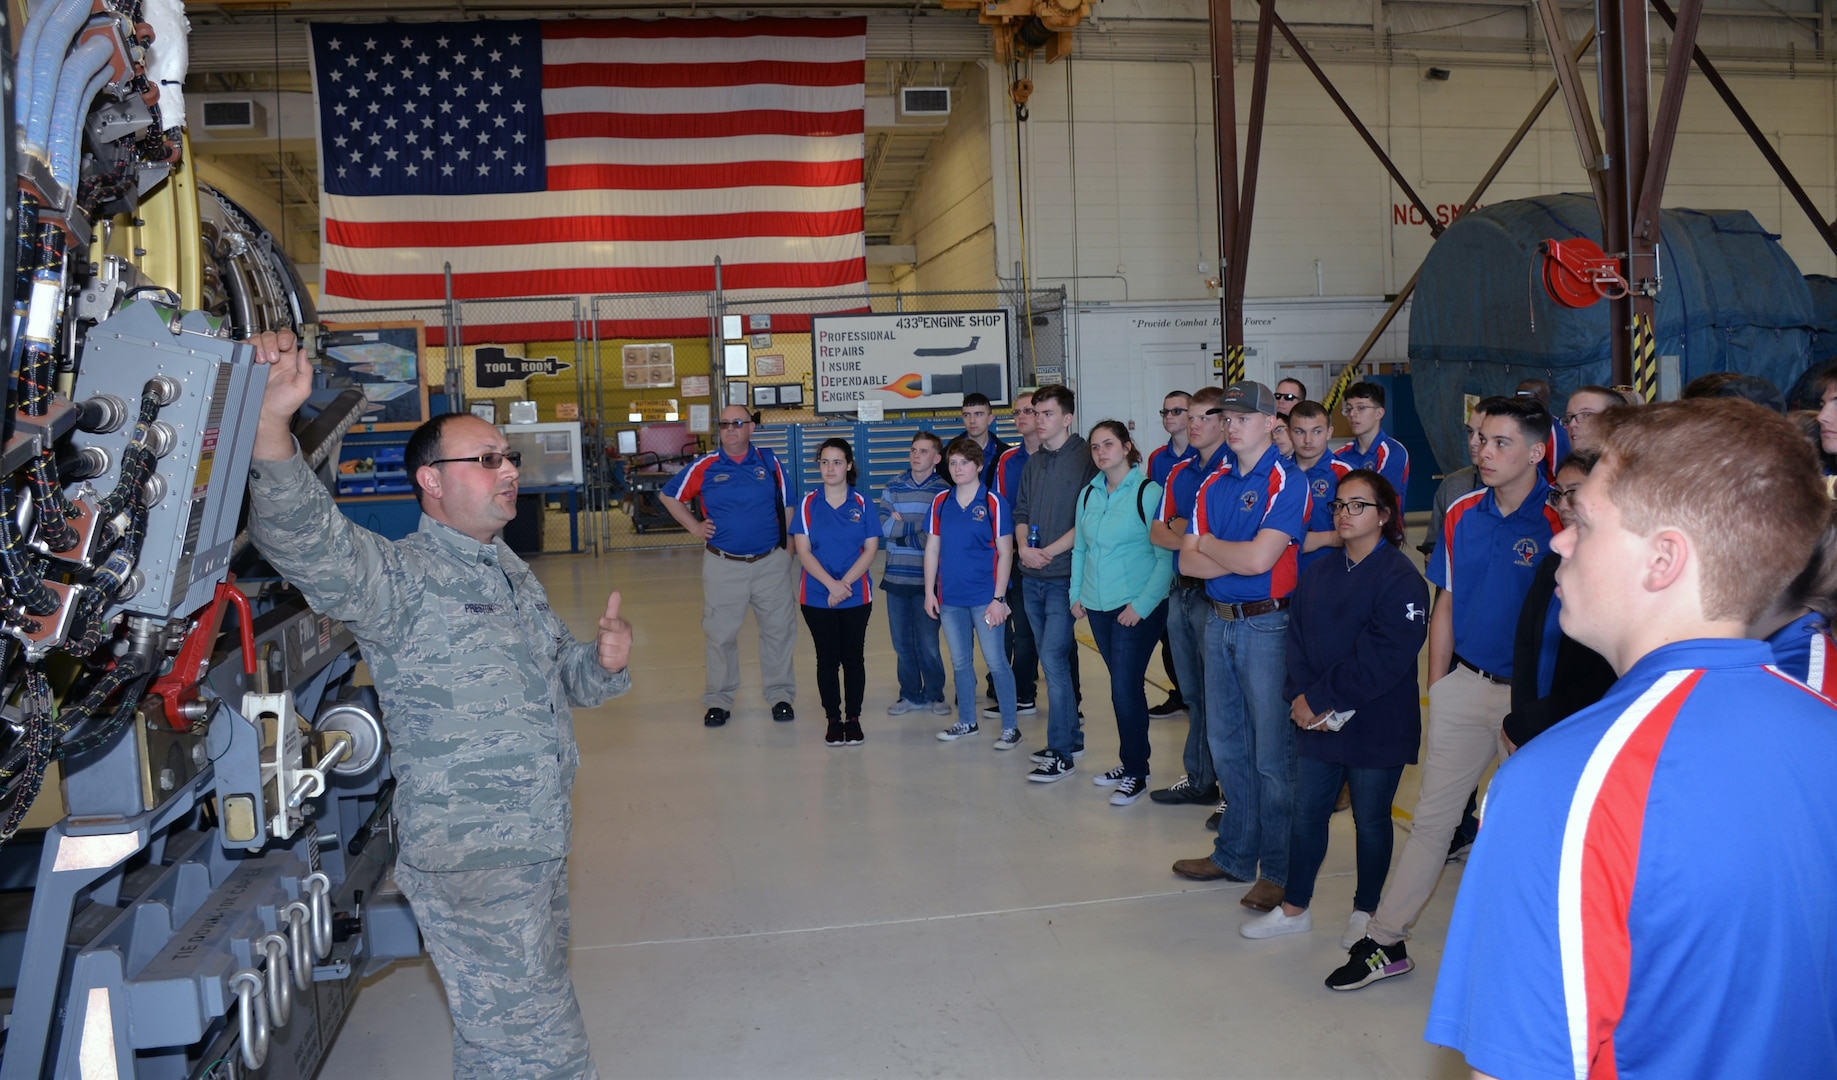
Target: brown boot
{"x":1263,"y":896}
{"x":1202,"y":870}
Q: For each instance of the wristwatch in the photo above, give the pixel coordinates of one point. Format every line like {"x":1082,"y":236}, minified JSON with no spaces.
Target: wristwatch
{"x":1003,"y":601}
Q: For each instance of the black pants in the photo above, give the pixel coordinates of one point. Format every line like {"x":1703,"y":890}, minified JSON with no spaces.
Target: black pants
{"x":840,"y":635}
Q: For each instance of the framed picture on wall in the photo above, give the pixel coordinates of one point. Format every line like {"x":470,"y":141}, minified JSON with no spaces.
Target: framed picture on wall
{"x":739,"y":393}
{"x":387,"y":361}
{"x":790,"y":394}
{"x":765,"y":397}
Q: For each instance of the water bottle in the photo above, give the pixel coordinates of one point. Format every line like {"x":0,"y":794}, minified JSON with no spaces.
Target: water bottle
{"x":1033,"y":536}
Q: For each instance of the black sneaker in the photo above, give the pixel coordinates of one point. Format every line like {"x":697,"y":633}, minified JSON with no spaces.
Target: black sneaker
{"x":1173,"y":706}
{"x":1184,"y":792}
{"x":851,"y":732}
{"x":1128,"y":789}
{"x":835,"y":735}
{"x":1369,"y":963}
{"x":1217,"y":815}
{"x":1459,"y":847}
{"x":957,"y":731}
{"x":715,"y":717}
{"x":1053,"y":768}
{"x":1039,"y":756}
{"x":1111,"y":778}
{"x":783,"y":712}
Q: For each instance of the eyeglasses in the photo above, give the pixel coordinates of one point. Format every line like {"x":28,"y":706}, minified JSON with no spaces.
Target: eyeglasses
{"x":1579,"y":415}
{"x":1354,"y":410}
{"x":493,"y":461}
{"x":1023,"y":412}
{"x":1165,"y":413}
{"x":1280,"y":396}
{"x":1350,"y":507}
{"x":1559,"y":496}
{"x":733,"y":423}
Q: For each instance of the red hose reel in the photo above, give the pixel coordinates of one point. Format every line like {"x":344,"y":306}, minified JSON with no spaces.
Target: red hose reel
{"x":1577,"y":272}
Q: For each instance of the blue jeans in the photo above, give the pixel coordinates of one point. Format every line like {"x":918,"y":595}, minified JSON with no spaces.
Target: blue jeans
{"x":1187,"y":612}
{"x":1125,"y":651}
{"x":962,"y":625}
{"x":1317,"y":785}
{"x":1253,"y":744}
{"x":915,"y":647}
{"x":1049,"y":613}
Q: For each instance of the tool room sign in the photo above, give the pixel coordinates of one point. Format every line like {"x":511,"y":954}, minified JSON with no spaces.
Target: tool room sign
{"x":908,"y":361}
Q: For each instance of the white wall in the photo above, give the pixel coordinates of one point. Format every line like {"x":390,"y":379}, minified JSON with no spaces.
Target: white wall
{"x":952,"y":217}
{"x":1120,"y":203}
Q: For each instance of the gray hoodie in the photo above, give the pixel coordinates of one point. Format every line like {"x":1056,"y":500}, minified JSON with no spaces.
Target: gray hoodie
{"x":1048,"y":499}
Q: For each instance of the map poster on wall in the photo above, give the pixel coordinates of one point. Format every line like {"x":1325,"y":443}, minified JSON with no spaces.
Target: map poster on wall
{"x":927,"y":360}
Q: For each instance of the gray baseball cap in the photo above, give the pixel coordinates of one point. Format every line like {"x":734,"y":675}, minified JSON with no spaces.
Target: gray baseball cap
{"x":1249,"y":397}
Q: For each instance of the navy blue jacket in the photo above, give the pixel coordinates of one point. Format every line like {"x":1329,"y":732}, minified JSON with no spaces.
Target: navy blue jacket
{"x":1353,"y":637}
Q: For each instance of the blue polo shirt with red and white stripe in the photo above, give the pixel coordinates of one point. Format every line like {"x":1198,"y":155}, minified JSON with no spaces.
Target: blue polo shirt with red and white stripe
{"x":1803,"y":649}
{"x":741,"y":497}
{"x":1181,"y":489}
{"x":1487,"y":561}
{"x":1323,"y":487}
{"x":1650,"y":895}
{"x":1008,"y":472}
{"x":967,"y":550}
{"x":1162,"y":459}
{"x":837,"y":535}
{"x":1387,"y":457}
{"x":1236,"y":504}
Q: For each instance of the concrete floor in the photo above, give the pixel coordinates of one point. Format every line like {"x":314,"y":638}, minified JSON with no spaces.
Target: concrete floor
{"x":750,"y":902}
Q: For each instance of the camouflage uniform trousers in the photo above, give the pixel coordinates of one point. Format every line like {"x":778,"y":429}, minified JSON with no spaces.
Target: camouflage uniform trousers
{"x":499,"y":939}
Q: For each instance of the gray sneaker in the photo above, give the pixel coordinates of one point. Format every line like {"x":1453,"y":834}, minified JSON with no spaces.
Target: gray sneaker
{"x":940,"y":708}
{"x":902,"y":707}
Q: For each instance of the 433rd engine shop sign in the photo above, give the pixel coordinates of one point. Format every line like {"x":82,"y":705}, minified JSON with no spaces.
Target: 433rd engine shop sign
{"x":926,"y":360}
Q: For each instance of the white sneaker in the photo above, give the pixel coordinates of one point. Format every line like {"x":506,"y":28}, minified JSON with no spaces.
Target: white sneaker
{"x":1275,"y":923}
{"x":902,"y":707}
{"x":1355,"y":928}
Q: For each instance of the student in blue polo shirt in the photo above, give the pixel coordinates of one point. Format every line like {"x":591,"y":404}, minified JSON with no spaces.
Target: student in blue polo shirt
{"x":1248,"y":520}
{"x":1485,"y":562}
{"x":1370,"y":447}
{"x":1309,"y":426}
{"x":742,"y":492}
{"x":1161,"y":461}
{"x":836,"y":532}
{"x":969,"y":552}
{"x":1650,"y":894}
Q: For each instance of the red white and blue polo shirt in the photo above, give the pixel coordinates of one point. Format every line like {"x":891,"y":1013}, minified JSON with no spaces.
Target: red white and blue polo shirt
{"x":1387,"y":457}
{"x":1181,"y":489}
{"x":1162,"y":459}
{"x":1008,"y":472}
{"x":741,"y":497}
{"x":1487,"y":561}
{"x":1323,"y":488}
{"x":1236,"y":505}
{"x":1803,"y":649}
{"x":967,"y":551}
{"x":1651,"y":892}
{"x":837,"y":535}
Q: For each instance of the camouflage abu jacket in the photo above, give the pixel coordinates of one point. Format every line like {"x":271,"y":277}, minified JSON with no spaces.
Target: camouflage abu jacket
{"x":474,"y":672}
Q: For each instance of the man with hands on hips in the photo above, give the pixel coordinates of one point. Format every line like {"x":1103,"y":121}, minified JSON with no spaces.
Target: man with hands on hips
{"x":476,"y":675}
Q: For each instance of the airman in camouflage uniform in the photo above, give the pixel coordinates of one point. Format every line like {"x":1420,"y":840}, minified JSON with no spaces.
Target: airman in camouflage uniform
{"x":476,"y":675}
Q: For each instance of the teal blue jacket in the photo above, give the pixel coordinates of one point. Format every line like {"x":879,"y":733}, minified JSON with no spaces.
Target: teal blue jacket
{"x":1113,"y":563}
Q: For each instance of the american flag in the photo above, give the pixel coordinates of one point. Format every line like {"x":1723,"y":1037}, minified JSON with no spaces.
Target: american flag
{"x":589,"y":156}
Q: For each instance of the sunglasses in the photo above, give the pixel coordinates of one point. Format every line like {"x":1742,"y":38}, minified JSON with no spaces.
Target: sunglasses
{"x":492,"y":461}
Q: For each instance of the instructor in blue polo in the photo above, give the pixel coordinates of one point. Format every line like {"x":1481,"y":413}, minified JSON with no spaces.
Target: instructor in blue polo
{"x":741,"y":488}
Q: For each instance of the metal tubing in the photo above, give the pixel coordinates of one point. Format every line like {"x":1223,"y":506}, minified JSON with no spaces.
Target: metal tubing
{"x":1435,"y":227}
{"x":1224,"y":130}
{"x":1253,"y":153}
{"x":1748,"y":125}
{"x":1665,"y":131}
{"x":1569,"y":80}
{"x":1625,"y":75}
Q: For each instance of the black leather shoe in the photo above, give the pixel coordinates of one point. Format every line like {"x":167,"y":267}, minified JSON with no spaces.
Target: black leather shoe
{"x":782,"y":712}
{"x":715,"y":717}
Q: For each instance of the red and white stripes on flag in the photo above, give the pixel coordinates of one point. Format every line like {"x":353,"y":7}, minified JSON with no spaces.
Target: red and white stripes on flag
{"x":668,"y":143}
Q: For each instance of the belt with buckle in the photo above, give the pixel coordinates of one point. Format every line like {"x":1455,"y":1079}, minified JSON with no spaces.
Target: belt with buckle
{"x":730,"y":557}
{"x":1181,"y":581}
{"x":1487,"y":675}
{"x":1233,"y":612}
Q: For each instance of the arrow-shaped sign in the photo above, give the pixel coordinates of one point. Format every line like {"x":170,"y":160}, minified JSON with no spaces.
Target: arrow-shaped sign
{"x":493,"y":368}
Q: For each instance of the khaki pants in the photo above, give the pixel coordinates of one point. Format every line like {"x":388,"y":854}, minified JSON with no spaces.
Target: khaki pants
{"x":1465,"y":717}
{"x":728,"y":589}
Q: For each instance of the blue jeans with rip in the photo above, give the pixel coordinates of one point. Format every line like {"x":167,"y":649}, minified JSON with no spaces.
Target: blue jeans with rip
{"x":1253,"y":744}
{"x":1317,"y":785}
{"x":917,"y":657}
{"x":962,"y":626}
{"x":1187,"y":612}
{"x":1125,"y":651}
{"x":1049,"y":613}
